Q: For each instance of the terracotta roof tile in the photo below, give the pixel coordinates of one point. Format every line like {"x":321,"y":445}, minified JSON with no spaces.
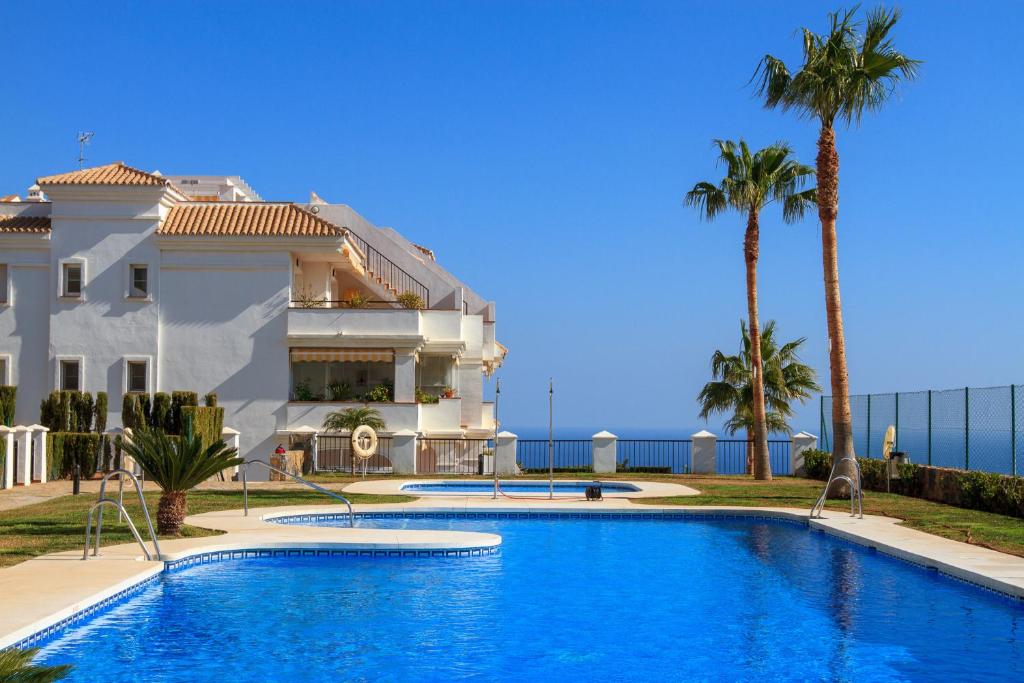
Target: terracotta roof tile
{"x":245,"y":219}
{"x":33,"y":224}
{"x":116,"y":173}
{"x":9,"y":198}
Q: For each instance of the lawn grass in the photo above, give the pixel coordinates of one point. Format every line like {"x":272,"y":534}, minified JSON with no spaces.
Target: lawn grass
{"x":59,"y":524}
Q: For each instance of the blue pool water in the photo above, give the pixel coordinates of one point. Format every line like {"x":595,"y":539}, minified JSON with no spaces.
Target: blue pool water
{"x":564,"y":600}
{"x":562,"y":488}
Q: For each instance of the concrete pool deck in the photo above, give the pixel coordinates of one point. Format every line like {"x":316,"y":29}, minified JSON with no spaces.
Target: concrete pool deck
{"x":644,"y":489}
{"x":44,"y":591}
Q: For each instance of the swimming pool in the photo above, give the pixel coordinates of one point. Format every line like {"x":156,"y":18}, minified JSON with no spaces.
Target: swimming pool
{"x":567,"y":598}
{"x":514,"y":487}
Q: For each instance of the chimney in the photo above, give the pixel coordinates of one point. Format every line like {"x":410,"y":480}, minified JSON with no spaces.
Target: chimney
{"x":35,"y":194}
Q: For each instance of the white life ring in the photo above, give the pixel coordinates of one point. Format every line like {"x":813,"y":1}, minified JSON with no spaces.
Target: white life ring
{"x":360,"y":432}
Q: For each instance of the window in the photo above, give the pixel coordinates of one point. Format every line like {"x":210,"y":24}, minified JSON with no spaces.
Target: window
{"x":139,"y":276}
{"x":136,"y":370}
{"x":434,"y":374}
{"x":5,"y":368}
{"x":71,"y":375}
{"x":5,"y":293}
{"x":72,"y":280}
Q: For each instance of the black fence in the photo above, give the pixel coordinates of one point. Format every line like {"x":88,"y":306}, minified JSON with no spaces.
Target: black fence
{"x":731,"y":456}
{"x":654,"y":456}
{"x":334,"y":454}
{"x":570,"y":455}
{"x":969,"y":428}
{"x":454,"y":456}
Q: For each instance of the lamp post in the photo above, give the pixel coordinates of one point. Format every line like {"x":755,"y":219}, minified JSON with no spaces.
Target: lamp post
{"x":497,"y":395}
{"x":551,"y":439}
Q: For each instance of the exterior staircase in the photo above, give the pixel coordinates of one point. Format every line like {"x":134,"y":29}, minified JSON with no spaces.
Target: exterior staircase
{"x":388,"y":274}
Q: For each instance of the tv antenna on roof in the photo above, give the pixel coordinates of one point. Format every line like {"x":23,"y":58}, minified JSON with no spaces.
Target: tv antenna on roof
{"x":83,"y":140}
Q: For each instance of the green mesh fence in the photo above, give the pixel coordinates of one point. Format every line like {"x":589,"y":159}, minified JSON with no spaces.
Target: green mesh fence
{"x":970,"y":428}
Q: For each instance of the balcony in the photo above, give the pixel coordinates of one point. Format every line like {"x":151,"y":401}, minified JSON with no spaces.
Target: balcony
{"x":396,"y":416}
{"x":332,"y":323}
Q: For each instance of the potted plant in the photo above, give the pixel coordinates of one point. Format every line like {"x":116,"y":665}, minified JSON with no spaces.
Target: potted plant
{"x":448,"y":392}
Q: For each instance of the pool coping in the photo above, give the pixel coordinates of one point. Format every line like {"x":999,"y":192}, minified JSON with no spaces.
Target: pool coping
{"x":643,"y":489}
{"x":43,"y":596}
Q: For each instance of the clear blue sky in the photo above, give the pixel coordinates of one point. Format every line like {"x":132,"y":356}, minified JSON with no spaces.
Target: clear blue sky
{"x":543,"y":149}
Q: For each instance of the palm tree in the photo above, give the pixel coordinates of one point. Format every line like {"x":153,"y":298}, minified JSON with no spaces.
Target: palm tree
{"x":732,"y":390}
{"x":177,"y":464}
{"x":349,"y":420}
{"x":16,"y":665}
{"x":752,"y":181}
{"x":845,"y":72}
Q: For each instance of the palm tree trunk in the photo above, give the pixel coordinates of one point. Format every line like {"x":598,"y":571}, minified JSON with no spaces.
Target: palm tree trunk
{"x":170,"y":512}
{"x":750,"y":452}
{"x":762,"y":466}
{"x":828,"y":210}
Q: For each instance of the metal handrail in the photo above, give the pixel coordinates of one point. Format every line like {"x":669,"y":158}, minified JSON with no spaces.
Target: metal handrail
{"x":135,"y":532}
{"x":119,"y":504}
{"x":395,"y":276}
{"x":856,"y":490}
{"x":245,"y":488}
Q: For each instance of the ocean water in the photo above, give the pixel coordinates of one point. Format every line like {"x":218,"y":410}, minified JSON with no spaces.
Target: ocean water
{"x":564,"y":600}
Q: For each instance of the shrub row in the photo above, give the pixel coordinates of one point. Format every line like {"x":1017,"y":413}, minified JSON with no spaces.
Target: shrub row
{"x":74,"y":411}
{"x":64,"y":450}
{"x":161,"y":410}
{"x":8,"y":396}
{"x":983,"y":491}
{"x":207,"y":422}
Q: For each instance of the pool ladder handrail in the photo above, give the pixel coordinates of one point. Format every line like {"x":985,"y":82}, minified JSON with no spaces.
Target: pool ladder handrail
{"x":102,"y":501}
{"x":856,"y":490}
{"x":243,"y":468}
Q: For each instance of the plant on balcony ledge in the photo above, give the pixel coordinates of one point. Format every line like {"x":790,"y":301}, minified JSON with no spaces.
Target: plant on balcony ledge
{"x":355,"y":300}
{"x":424,"y":397}
{"x":305,"y":298}
{"x":303,"y":392}
{"x":411,"y":300}
{"x":382,"y":393}
{"x":448,"y":392}
{"x":350,"y":419}
{"x":339,"y":391}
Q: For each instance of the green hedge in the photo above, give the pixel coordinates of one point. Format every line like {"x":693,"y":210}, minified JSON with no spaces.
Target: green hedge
{"x":983,"y":491}
{"x":179,"y":400}
{"x":210,"y":400}
{"x":100,"y":412}
{"x":72,"y":411}
{"x":66,"y":449}
{"x":207,"y":423}
{"x":8,"y":400}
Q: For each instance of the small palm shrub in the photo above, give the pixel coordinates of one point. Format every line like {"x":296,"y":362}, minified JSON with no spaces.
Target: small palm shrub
{"x":348,"y":420}
{"x":16,"y":667}
{"x":177,"y":465}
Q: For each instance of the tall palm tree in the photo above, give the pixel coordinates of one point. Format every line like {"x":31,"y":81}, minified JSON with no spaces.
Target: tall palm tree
{"x":851,"y":69}
{"x":177,"y":464}
{"x":731,"y":390}
{"x":751,"y":182}
{"x":349,"y":420}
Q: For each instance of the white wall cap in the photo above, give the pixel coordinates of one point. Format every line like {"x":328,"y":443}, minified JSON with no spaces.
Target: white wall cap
{"x":304,"y":429}
{"x":813,"y":436}
{"x":4,"y":429}
{"x":702,"y":434}
{"x":39,"y":428}
{"x":405,"y":432}
{"x":21,"y":428}
{"x":229,"y":431}
{"x":604,"y":435}
{"x":507,"y":435}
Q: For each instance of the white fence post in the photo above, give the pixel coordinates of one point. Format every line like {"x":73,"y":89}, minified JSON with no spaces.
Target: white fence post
{"x":8,"y":436}
{"x":403,"y":452}
{"x":505,"y":454}
{"x":39,"y":456}
{"x":24,"y":437}
{"x":233,"y":439}
{"x":605,"y":447}
{"x":798,"y":443}
{"x":704,"y":455}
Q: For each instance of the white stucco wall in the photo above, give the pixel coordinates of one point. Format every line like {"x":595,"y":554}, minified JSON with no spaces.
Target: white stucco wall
{"x":24,"y":329}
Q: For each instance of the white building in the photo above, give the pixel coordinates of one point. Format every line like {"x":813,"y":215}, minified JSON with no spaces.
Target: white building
{"x":114,"y":279}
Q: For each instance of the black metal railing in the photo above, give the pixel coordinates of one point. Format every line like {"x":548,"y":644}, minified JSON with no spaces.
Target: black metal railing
{"x":453,"y":456}
{"x":731,"y":456}
{"x":343,"y":303}
{"x":334,"y":454}
{"x":388,"y":273}
{"x":654,"y":456}
{"x":570,"y":455}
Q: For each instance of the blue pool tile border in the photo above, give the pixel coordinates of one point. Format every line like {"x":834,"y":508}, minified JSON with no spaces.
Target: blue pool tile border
{"x":266,"y":553}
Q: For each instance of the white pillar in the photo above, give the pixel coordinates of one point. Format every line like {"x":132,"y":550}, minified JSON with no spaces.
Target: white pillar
{"x":233,"y":439}
{"x":403,"y":452}
{"x":7,"y":434}
{"x":505,"y":454}
{"x":605,"y":452}
{"x":405,"y":376}
{"x":39,"y":456}
{"x":798,"y":443}
{"x":24,"y":438}
{"x":703,"y":455}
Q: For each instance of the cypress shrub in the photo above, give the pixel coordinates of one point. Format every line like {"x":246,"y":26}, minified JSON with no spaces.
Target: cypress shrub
{"x":8,"y":396}
{"x":210,"y":399}
{"x":207,"y":423}
{"x":65,"y":414}
{"x":179,"y":400}
{"x":145,"y":414}
{"x":82,"y":407}
{"x":67,"y":449}
{"x":161,"y":410}
{"x":100,"y":412}
{"x":132,"y":414}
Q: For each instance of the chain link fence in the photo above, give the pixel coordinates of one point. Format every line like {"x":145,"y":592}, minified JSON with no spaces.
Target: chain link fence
{"x":969,"y":428}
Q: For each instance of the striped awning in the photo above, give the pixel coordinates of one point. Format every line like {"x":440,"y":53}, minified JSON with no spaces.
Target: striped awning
{"x":342,"y":355}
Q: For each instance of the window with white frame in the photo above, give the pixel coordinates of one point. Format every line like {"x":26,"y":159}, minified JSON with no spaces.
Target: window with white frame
{"x":71,"y":375}
{"x":5,"y":285}
{"x":5,"y":370}
{"x":136,"y":376}
{"x":434,"y":374}
{"x":72,"y":280}
{"x":138,"y":280}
